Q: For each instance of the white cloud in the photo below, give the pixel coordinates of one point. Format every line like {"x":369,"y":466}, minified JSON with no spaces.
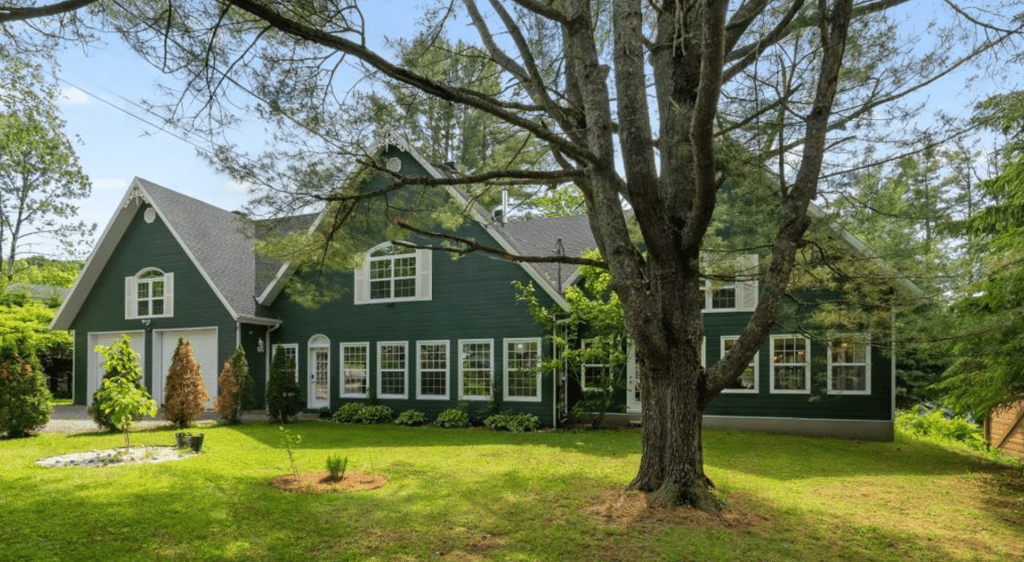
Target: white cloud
{"x":238,"y":187}
{"x":74,"y":96}
{"x":109,"y":184}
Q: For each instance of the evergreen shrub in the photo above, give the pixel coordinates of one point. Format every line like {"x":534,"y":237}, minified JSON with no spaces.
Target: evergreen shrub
{"x":283,"y":397}
{"x":24,"y":396}
{"x":185,"y":393}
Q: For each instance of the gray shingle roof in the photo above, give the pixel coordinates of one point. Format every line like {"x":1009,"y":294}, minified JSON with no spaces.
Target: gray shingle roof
{"x":219,"y":240}
{"x":539,"y":237}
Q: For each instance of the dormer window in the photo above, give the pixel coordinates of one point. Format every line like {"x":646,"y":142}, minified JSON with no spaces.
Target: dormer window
{"x":149,"y":294}
{"x":392,"y":273}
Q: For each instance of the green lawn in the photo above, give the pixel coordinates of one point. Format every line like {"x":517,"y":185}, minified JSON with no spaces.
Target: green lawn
{"x":481,"y":495}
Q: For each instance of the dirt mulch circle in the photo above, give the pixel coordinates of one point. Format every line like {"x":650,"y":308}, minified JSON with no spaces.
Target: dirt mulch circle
{"x":629,"y":509}
{"x":320,"y":482}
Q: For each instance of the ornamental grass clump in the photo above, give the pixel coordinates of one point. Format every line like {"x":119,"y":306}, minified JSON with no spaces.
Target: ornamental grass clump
{"x":24,"y":397}
{"x":336,"y":466}
{"x":185,"y":393}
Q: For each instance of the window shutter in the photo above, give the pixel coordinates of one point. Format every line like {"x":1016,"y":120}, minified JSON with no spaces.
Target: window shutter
{"x":129,"y":297}
{"x":359,"y":276}
{"x":424,"y":272}
{"x":168,"y":294}
{"x":746,"y":286}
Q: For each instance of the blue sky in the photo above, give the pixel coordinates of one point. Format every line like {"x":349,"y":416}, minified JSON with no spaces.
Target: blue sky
{"x":115,"y":147}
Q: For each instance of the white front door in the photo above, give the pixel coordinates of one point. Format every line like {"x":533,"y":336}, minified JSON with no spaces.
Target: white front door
{"x":319,"y":394}
{"x":204,"y":349}
{"x":95,"y":368}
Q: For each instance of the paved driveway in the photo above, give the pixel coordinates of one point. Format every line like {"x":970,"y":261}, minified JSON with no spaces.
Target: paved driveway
{"x":76,"y":419}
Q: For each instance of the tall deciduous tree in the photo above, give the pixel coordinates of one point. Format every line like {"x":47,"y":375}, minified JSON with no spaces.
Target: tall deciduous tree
{"x":653,"y":104}
{"x":40,"y":176}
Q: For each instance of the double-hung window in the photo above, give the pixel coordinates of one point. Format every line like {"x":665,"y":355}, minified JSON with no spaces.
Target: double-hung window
{"x":522,"y":369}
{"x":747,"y":383}
{"x":355,"y":368}
{"x":392,"y":273}
{"x":149,"y":294}
{"x":476,"y":369}
{"x":291,"y":354}
{"x":392,"y":367}
{"x":849,"y":362}
{"x":432,"y":369}
{"x":791,"y":365}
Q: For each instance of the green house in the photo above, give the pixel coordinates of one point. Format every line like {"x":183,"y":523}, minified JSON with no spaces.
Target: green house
{"x":415,"y":329}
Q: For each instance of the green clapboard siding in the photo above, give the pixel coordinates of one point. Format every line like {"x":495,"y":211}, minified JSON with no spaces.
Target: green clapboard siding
{"x":195,"y":304}
{"x":473,"y":298}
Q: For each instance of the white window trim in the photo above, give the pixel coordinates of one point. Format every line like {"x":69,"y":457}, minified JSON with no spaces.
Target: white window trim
{"x":584,"y":344}
{"x":405,"y":371}
{"x":867,"y":365}
{"x":490,"y":343}
{"x":131,"y":297}
{"x":292,"y":346}
{"x":365,"y":345}
{"x":447,"y":370}
{"x":807,"y":364}
{"x":505,"y":369}
{"x":746,"y":288}
{"x":424,"y":285}
{"x":323,"y":342}
{"x":757,"y":368}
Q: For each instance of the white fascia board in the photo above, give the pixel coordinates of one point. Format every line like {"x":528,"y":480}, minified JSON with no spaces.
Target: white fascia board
{"x":286,"y":270}
{"x":857,"y":245}
{"x":97,"y":259}
{"x":191,"y":256}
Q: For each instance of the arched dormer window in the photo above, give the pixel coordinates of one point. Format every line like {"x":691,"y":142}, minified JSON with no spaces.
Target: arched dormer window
{"x":391,"y":273}
{"x":149,"y":294}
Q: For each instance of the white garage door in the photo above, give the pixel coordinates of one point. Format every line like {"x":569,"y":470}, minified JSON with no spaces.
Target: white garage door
{"x":95,"y":367}
{"x":204,"y":349}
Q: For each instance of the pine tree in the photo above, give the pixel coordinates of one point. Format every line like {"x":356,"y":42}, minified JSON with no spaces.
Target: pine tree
{"x":24,"y":398}
{"x":283,"y":398}
{"x":236,"y":388}
{"x":240,"y":366}
{"x":185,"y":393}
{"x":226,"y":402}
{"x":119,"y":361}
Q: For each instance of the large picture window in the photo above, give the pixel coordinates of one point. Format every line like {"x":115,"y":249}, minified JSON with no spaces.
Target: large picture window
{"x":476,"y":369}
{"x":392,"y":273}
{"x":355,"y":369}
{"x":432,"y":369}
{"x":522,"y":369}
{"x":149,"y":294}
{"x":392,"y":367}
{"x":849,"y":362}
